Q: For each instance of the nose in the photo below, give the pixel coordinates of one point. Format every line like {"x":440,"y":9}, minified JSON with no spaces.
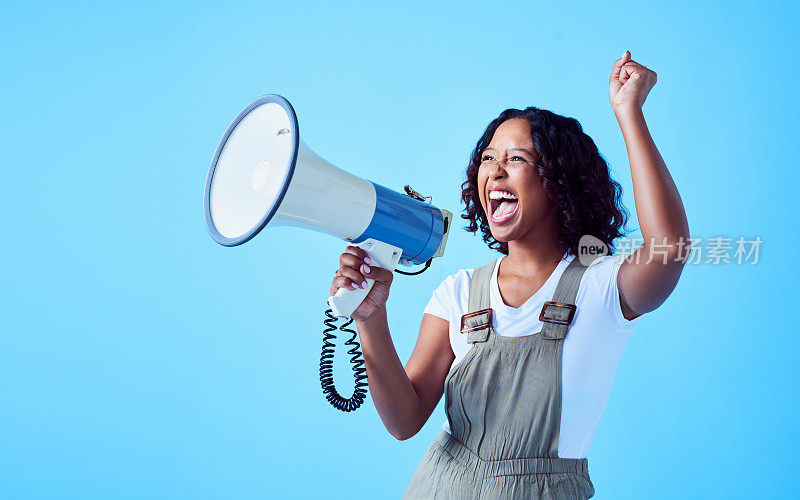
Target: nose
{"x":499,"y":169}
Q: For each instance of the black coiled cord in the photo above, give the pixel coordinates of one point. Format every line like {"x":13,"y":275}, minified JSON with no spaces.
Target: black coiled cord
{"x":326,"y":366}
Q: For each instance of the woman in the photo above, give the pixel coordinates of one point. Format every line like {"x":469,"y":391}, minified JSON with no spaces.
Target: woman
{"x":525,"y":348}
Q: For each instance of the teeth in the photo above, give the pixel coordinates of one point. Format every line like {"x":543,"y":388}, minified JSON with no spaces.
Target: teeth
{"x":497,"y":195}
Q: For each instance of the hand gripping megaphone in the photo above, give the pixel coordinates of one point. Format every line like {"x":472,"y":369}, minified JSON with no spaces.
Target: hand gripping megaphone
{"x":263,"y":175}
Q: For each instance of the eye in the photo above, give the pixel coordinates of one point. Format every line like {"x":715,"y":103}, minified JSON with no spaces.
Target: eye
{"x":487,"y":158}
{"x":517,"y":158}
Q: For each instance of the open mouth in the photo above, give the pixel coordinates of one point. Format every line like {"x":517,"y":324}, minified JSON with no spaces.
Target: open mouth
{"x":503,"y":205}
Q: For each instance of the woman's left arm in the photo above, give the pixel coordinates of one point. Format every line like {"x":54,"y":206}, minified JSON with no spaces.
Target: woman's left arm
{"x":650,"y":274}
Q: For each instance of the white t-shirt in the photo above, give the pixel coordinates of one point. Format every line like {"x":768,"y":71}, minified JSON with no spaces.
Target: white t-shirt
{"x":592,"y":347}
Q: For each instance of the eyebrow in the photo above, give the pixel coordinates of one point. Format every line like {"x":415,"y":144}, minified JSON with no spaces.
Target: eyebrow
{"x":512,"y":149}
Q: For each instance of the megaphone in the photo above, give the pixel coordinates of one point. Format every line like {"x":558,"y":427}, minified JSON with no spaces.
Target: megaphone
{"x":263,"y":175}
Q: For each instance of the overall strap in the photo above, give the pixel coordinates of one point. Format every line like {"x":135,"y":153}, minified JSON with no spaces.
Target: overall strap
{"x":477,"y":323}
{"x":557,"y":313}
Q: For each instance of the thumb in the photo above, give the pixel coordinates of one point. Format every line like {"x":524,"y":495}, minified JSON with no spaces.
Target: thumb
{"x":618,"y":65}
{"x":379,"y":274}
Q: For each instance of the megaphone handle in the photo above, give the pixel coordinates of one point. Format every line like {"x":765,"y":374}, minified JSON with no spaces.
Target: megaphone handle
{"x":382,"y":255}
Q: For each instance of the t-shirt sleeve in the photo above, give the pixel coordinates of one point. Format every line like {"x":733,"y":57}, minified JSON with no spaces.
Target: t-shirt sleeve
{"x":605,"y":270}
{"x":441,"y":300}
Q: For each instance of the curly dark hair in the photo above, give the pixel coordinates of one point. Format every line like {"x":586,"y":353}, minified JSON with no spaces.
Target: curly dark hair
{"x":574,"y":174}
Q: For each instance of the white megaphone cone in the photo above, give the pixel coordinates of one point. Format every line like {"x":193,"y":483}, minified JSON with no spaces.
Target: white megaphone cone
{"x":263,"y":175}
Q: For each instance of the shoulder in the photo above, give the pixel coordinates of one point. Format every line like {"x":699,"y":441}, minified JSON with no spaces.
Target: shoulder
{"x":451,"y":296}
{"x":445,"y":299}
{"x":455,"y":283}
{"x":601,"y":269}
{"x":600,"y":283}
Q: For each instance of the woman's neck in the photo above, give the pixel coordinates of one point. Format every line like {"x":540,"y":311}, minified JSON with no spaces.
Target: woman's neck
{"x":530,"y":258}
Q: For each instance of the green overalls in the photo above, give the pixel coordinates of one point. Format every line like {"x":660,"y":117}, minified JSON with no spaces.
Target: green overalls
{"x":503,"y":403}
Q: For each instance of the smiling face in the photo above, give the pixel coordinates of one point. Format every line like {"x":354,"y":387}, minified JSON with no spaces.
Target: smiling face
{"x":508,"y":170}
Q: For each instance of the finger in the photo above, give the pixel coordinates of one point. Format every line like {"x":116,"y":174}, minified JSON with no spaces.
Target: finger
{"x":632,"y":67}
{"x":337,"y":283}
{"x":629,"y":70}
{"x":342,"y":282}
{"x":618,"y":65}
{"x":643,"y":71}
{"x":353,"y":275}
{"x":347,"y":259}
{"x":377,"y":273}
{"x":357,"y":251}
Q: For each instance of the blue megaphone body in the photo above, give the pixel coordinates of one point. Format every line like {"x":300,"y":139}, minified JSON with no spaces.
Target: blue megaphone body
{"x":263,"y":175}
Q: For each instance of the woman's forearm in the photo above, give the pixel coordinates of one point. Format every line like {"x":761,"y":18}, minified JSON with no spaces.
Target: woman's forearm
{"x":659,"y":208}
{"x":392,"y":392}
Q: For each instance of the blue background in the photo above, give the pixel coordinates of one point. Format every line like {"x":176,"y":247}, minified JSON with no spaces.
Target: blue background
{"x":139,"y":359}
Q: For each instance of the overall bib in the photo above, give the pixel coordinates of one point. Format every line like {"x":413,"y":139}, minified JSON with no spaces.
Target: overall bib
{"x":503,"y":404}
